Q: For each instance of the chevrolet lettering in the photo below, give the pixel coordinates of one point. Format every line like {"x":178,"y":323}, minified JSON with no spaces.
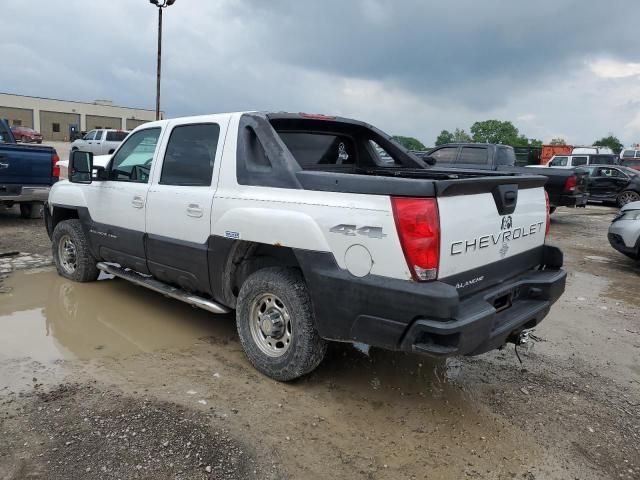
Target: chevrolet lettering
{"x":485,"y":241}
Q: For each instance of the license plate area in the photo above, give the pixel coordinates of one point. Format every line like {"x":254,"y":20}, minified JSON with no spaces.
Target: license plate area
{"x":503,"y":302}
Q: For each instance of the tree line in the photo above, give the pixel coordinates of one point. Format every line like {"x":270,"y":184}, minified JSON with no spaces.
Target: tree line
{"x":497,"y":131}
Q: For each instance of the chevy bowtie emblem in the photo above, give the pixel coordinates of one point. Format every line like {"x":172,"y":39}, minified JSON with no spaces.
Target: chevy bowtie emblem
{"x":507,"y":223}
{"x":504,"y":249}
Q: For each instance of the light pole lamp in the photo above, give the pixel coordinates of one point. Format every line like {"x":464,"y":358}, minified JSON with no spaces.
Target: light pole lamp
{"x":161,"y":4}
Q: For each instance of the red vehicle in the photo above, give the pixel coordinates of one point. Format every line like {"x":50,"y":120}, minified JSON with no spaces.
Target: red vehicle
{"x":26,"y":135}
{"x":631,"y":163}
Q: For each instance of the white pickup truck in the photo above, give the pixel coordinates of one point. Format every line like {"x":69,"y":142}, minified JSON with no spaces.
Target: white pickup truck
{"x":102,"y":141}
{"x":296,"y":223}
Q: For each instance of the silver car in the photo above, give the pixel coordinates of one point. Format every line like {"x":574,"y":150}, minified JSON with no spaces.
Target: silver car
{"x":624,"y":232}
{"x":100,"y":142}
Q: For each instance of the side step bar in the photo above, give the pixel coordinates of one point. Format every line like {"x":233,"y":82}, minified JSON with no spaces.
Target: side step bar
{"x":163,"y":288}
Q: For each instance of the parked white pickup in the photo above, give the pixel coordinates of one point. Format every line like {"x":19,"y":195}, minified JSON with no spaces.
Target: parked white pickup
{"x":296,"y":222}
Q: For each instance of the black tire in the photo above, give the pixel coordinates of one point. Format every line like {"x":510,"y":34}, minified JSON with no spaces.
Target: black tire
{"x":84,"y":269}
{"x":306,"y":348}
{"x":551,"y":210}
{"x":31,"y":210}
{"x":627,"y":196}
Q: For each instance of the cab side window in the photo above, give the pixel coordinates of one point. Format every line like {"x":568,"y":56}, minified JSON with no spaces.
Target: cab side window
{"x":99,"y":134}
{"x":190,"y":155}
{"x":445,"y":155}
{"x":579,"y":161}
{"x":132,"y":162}
{"x":559,"y":162}
{"x":90,"y":136}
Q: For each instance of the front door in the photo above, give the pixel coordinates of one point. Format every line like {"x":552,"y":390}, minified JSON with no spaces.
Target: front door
{"x":118,"y":205}
{"x":607,"y":182}
{"x":180,"y":201}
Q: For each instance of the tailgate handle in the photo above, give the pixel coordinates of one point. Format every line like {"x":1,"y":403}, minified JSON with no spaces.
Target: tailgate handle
{"x":506,"y":198}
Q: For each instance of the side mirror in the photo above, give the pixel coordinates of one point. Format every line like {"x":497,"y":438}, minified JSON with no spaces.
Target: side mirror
{"x":80,"y":167}
{"x":426,"y":158}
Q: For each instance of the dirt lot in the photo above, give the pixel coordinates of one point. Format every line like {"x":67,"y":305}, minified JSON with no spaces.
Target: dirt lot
{"x":107,"y":380}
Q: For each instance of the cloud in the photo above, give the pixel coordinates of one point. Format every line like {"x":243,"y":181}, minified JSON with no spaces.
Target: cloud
{"x":607,"y":68}
{"x":411,"y":67}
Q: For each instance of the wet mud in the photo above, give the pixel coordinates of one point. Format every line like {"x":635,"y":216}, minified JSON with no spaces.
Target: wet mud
{"x":570,"y":410}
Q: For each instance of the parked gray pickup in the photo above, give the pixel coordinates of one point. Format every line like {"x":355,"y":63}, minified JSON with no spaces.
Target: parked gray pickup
{"x":565,"y":187}
{"x":27,"y":173}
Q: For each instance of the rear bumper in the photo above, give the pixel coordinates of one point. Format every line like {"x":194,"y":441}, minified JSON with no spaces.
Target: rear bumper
{"x":577,"y":200}
{"x":432,"y":318}
{"x":24,"y":193}
{"x":479,"y":325}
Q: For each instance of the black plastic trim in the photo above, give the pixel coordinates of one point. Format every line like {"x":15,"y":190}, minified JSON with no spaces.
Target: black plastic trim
{"x":397,"y":314}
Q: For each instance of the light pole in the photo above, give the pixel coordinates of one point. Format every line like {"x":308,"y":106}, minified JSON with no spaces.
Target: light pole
{"x":161,"y":4}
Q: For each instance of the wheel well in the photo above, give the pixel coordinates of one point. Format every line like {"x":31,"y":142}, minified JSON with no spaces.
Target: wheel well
{"x":60,"y":214}
{"x":246,"y":258}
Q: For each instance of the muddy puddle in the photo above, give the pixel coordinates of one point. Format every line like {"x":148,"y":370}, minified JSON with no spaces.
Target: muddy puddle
{"x":46,"y":318}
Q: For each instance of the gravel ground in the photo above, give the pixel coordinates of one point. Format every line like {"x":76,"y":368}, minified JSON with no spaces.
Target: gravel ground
{"x":76,"y":360}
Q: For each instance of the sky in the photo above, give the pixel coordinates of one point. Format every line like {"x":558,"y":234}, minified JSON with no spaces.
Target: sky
{"x":555,"y":68}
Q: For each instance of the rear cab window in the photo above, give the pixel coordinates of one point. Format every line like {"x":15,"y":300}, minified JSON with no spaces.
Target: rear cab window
{"x":330,"y":145}
{"x":316,"y":150}
{"x":559,"y":162}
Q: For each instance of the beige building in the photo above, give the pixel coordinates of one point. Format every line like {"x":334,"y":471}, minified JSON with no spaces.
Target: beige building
{"x":56,"y":119}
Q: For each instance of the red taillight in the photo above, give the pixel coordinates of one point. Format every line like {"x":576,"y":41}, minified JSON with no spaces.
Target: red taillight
{"x":570,"y":184}
{"x":546,"y":197}
{"x":55,"y":169}
{"x":418,"y":225}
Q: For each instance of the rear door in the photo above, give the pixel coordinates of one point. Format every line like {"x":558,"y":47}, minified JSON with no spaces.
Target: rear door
{"x":180,"y":201}
{"x":607,"y":182}
{"x":97,"y":144}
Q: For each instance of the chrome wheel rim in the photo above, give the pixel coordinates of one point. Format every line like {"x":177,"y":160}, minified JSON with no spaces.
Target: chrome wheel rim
{"x":67,"y":254}
{"x":628,"y":197}
{"x":270,"y":325}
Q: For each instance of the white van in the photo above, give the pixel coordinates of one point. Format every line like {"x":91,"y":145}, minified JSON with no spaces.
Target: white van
{"x":572,"y":161}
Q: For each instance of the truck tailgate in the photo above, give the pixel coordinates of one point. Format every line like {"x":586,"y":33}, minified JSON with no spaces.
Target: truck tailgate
{"x":26,"y":164}
{"x":476,"y":233}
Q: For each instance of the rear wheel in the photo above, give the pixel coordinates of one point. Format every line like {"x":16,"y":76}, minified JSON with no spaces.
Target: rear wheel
{"x":31,"y":210}
{"x":276,"y":324}
{"x":71,"y":252}
{"x":627,"y":196}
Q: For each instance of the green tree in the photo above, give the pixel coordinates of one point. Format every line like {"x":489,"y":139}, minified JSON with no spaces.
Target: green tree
{"x":496,"y":131}
{"x":409,"y":143}
{"x":558,"y":141}
{"x":611,"y":141}
{"x":460,"y":136}
{"x":445,"y":137}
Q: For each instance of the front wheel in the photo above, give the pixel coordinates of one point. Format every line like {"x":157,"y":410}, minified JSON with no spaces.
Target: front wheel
{"x":276,"y":324}
{"x":628,"y":196}
{"x":71,"y":252}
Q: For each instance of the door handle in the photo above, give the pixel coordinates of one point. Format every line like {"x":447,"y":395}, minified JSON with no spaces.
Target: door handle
{"x":137,"y":202}
{"x":194,"y":210}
